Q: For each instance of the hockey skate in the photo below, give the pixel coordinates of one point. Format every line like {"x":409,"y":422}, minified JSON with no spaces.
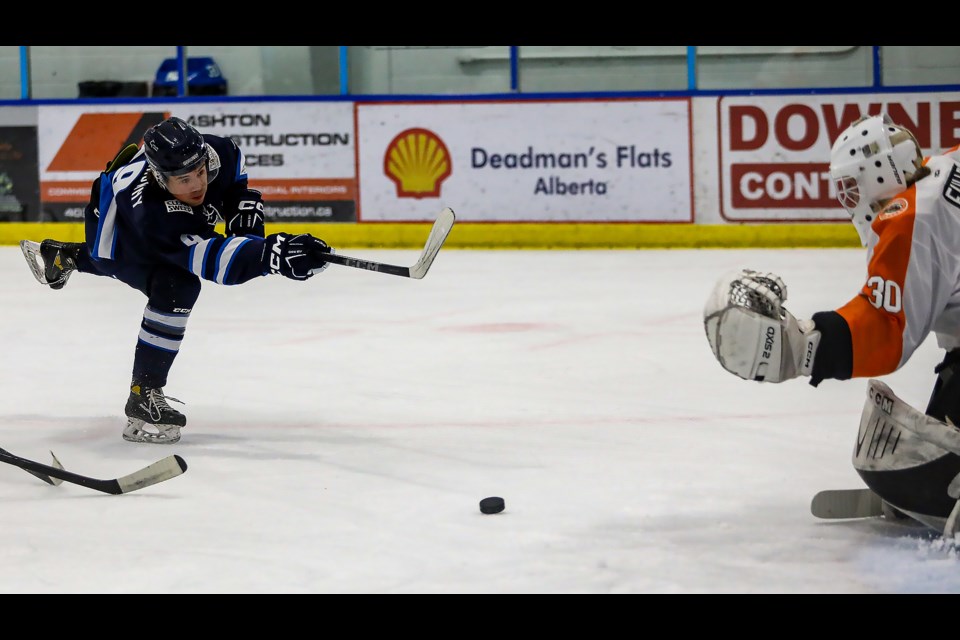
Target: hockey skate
{"x":51,"y":261}
{"x":150,"y":419}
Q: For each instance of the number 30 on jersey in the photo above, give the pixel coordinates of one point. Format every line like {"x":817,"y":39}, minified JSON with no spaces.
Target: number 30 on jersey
{"x":885,"y":294}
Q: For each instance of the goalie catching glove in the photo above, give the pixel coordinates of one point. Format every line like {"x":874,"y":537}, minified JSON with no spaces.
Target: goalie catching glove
{"x":750,"y":332}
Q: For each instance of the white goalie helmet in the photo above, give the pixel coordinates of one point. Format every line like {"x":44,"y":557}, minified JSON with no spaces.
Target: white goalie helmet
{"x":872,"y":161}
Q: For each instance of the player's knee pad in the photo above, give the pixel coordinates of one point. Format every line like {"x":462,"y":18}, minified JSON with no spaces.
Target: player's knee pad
{"x":171,"y":289}
{"x":904,"y":469}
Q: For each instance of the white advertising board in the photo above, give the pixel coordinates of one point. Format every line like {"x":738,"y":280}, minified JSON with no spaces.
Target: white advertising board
{"x":541,"y":160}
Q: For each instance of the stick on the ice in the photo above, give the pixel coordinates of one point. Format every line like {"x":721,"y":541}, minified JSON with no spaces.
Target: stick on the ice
{"x":169,"y":467}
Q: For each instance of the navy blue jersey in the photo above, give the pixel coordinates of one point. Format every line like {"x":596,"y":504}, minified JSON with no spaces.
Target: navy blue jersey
{"x":131,"y":220}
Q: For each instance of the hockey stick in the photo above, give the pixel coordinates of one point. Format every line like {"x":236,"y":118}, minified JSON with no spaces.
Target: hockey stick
{"x":438,"y":234}
{"x":169,"y":467}
{"x":54,"y":481}
{"x":846,"y":504}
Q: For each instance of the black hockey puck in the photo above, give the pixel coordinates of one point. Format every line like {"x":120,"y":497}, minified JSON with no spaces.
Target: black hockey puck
{"x":492,"y":505}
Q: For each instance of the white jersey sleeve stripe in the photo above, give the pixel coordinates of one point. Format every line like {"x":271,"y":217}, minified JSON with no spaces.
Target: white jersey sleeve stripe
{"x":107,"y":232}
{"x":198,"y":257}
{"x":225,"y":258}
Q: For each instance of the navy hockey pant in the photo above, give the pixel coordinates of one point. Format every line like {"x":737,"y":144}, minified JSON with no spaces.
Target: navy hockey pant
{"x":171,"y":293}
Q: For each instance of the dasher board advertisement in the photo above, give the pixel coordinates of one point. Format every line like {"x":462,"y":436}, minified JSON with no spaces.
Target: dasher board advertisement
{"x":775,"y":150}
{"x":299,"y":155}
{"x":540,"y":161}
{"x":19,"y":189}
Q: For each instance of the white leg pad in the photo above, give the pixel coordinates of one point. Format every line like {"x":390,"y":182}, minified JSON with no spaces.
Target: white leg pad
{"x":941,"y":434}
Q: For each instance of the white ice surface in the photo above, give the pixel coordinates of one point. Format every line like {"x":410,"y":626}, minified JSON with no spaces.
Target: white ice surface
{"x":342,"y":432}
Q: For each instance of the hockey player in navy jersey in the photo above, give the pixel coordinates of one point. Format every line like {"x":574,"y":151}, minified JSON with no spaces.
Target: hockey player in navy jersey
{"x":150,"y":224}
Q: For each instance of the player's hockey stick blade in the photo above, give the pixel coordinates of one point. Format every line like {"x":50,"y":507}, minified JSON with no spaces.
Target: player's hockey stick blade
{"x":837,"y":504}
{"x":169,"y":467}
{"x":438,"y":235}
{"x":54,"y":481}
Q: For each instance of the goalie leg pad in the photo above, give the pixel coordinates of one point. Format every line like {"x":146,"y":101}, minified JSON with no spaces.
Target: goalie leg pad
{"x":899,"y":455}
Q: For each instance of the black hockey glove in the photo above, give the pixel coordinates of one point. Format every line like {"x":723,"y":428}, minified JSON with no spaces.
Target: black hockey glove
{"x":296,"y":257}
{"x":247,"y":218}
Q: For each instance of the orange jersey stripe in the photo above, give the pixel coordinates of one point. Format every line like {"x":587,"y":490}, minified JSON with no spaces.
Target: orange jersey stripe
{"x":875,"y":317}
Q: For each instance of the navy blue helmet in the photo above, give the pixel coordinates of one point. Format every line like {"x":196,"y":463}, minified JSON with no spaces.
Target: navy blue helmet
{"x":174,"y":148}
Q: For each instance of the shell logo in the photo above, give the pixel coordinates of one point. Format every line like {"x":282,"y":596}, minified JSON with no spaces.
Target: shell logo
{"x":417,"y":160}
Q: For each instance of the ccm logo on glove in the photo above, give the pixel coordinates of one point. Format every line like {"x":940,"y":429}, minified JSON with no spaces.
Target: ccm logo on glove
{"x":248,"y":219}
{"x":275,"y":252}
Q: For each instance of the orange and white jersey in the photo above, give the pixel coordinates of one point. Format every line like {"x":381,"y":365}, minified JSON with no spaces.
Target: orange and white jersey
{"x":913,"y":273}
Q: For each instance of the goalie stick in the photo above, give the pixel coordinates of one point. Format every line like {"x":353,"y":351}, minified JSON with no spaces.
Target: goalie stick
{"x":835,"y":504}
{"x":438,"y":234}
{"x":169,"y":467}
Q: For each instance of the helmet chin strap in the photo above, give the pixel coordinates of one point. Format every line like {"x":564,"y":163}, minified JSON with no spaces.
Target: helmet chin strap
{"x":863,"y":222}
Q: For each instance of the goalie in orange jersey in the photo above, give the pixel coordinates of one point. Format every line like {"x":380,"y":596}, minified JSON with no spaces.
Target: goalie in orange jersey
{"x":906,"y":209}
